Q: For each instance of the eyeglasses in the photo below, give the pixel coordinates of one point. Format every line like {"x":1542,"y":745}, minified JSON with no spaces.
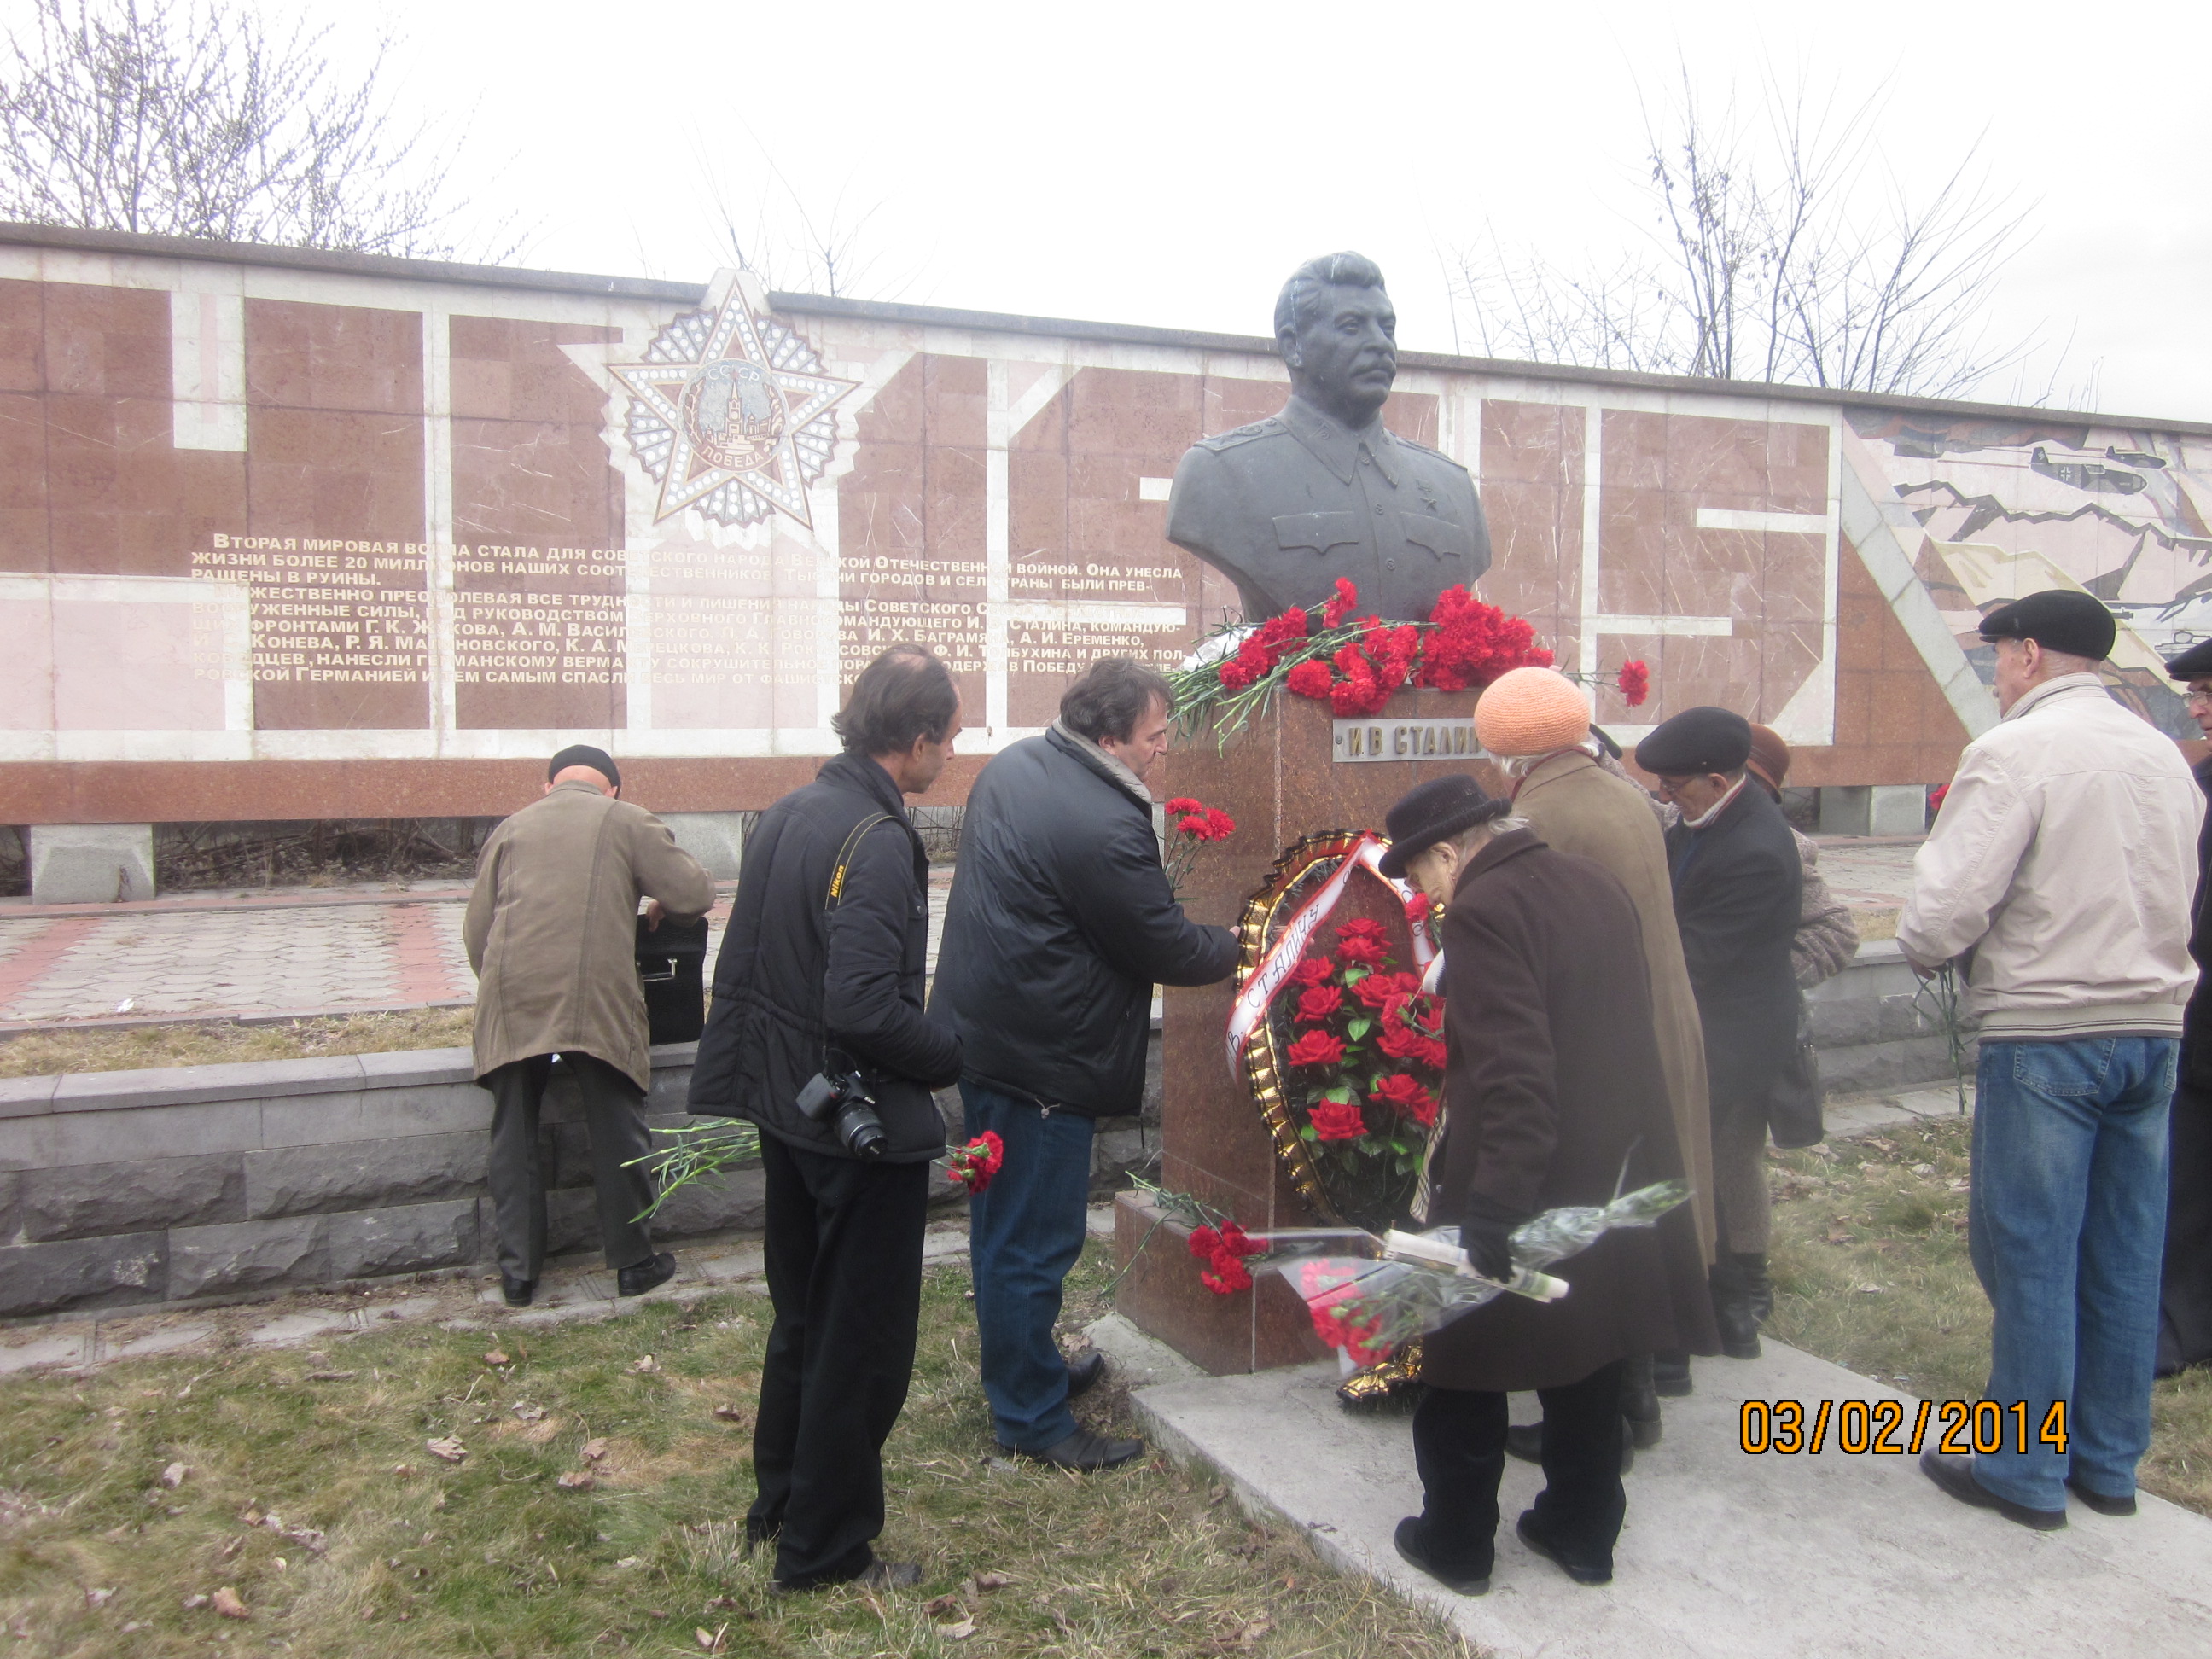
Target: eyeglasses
{"x":2197,"y":699}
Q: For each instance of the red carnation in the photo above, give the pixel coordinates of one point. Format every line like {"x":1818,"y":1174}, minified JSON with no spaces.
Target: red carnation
{"x":1406,"y":1098}
{"x":1182,"y":805}
{"x":1317,"y":1049}
{"x":973,"y":1165}
{"x":1635,"y":682}
{"x":1319,"y":1003}
{"x":1333,"y":613}
{"x":1312,"y":971}
{"x":1281,"y":630}
{"x":1420,"y":909}
{"x":1219,"y":826}
{"x":1238,"y":672}
{"x":1311,"y":678}
{"x":1338,"y":1119}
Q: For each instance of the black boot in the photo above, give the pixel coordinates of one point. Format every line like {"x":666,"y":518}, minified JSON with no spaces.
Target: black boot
{"x":1757,"y":1285}
{"x":1732,"y":1309}
{"x":1526,"y":1441}
{"x":1639,"y":1402}
{"x":1670,"y":1375}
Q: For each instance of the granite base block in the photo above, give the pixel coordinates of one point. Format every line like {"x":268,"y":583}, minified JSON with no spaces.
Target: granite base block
{"x":248,"y":1255}
{"x":86,"y":1200}
{"x":356,"y":1175}
{"x":407,"y":1238}
{"x":1160,"y":1292}
{"x":83,"y":1272}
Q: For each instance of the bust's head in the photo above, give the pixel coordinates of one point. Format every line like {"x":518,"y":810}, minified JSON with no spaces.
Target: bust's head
{"x":1339,"y":336}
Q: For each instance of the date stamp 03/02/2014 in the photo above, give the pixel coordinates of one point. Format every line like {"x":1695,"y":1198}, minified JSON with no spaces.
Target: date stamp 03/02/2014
{"x":1899,"y":1427}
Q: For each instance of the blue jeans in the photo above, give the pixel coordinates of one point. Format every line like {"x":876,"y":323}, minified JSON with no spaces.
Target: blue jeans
{"x":2067,"y":1225}
{"x":1024,"y":1232}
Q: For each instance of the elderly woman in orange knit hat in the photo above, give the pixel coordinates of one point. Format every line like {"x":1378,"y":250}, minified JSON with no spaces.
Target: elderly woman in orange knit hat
{"x":1538,"y":722}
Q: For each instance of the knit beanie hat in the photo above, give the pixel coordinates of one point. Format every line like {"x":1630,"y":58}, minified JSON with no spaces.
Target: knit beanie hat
{"x":1531,"y":711}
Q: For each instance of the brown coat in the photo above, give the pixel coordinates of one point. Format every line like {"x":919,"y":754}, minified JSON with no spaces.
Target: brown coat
{"x":1578,"y":808}
{"x":551,"y":929}
{"x":1553,"y":1087}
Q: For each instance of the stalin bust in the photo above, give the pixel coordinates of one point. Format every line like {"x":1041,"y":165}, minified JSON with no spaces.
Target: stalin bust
{"x":1286,"y":505}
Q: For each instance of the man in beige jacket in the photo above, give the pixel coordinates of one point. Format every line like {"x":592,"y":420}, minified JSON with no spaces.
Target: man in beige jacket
{"x":551,"y":932}
{"x":1538,"y":722}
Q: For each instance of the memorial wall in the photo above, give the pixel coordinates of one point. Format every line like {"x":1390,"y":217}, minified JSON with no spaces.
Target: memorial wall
{"x":290,"y":534}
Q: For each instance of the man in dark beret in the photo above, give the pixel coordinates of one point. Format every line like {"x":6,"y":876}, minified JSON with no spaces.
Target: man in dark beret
{"x":1738,"y":883}
{"x":2185,"y":1324}
{"x":2065,"y":860}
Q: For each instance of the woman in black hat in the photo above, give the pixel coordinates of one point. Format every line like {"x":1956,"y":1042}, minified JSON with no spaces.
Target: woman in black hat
{"x":1553,"y":1095}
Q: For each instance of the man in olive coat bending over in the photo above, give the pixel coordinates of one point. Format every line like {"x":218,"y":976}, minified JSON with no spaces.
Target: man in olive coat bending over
{"x":1061,"y":921}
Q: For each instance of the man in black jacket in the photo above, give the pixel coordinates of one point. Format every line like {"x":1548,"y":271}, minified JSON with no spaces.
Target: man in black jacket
{"x":1060,"y":922}
{"x":2185,"y":1324}
{"x":1738,"y":883}
{"x":816,"y":981}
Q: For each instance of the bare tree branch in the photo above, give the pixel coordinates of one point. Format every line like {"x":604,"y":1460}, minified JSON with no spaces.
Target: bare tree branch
{"x":1771,"y":259}
{"x":189,"y":118}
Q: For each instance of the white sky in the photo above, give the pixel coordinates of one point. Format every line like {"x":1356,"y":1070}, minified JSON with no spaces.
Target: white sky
{"x":1170,"y":163}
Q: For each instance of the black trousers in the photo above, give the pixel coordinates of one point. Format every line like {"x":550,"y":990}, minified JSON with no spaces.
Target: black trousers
{"x":2185,"y":1316}
{"x":614,"y":1120}
{"x":1459,"y":1447}
{"x":844,"y":1270}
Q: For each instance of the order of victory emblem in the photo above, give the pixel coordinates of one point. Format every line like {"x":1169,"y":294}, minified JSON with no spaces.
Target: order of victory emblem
{"x":729,"y":412}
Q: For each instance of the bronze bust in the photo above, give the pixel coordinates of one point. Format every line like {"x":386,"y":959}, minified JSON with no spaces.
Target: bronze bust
{"x":1288,"y":505}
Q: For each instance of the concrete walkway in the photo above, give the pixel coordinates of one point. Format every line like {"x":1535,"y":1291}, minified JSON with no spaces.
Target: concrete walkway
{"x":1725,"y":1556}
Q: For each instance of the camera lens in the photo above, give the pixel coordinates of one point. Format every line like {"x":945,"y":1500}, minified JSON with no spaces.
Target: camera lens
{"x":861,"y":1130}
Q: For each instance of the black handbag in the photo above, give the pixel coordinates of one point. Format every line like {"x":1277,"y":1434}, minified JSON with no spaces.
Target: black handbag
{"x":672,"y":968}
{"x":1793,"y":1110}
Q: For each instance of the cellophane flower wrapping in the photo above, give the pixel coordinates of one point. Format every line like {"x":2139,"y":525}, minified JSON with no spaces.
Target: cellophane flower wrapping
{"x":1367,"y":1305}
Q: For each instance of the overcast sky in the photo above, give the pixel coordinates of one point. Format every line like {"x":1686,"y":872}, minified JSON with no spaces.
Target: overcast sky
{"x":1169,"y":163}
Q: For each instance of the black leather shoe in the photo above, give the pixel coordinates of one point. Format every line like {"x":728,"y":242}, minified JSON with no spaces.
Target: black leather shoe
{"x":641,"y":1276}
{"x":2099,"y":1502}
{"x":1670,"y":1376}
{"x":1526,"y":1441}
{"x":878,"y":1574}
{"x":1409,"y":1538}
{"x":1082,"y":1452}
{"x":1955,"y":1472}
{"x":518,"y":1291}
{"x":1083,"y":1374}
{"x":1639,"y":1403}
{"x":1739,"y":1327}
{"x":1583,"y":1572}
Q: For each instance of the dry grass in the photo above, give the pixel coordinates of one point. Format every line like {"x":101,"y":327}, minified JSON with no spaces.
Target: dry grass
{"x":490,"y":1556}
{"x":1871,"y":1272}
{"x":129,"y":1048}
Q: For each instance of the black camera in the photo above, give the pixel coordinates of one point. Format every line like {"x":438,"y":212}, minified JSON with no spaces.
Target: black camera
{"x":854,"y":1119}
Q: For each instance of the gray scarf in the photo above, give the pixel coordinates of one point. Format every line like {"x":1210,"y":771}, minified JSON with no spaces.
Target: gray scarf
{"x":1113,"y":768}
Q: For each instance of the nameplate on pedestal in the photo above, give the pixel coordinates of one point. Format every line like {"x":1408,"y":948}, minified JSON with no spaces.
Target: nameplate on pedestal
{"x":1448,"y":739}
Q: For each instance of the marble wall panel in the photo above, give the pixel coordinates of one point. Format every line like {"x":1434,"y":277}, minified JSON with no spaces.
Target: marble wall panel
{"x":1531,"y":500}
{"x":105,"y":342}
{"x":123,"y":666}
{"x":24,"y":541}
{"x":915,"y":498}
{"x":335,"y":452}
{"x":22,"y":329}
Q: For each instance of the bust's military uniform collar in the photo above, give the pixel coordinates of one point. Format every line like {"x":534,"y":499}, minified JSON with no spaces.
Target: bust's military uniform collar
{"x":1336,"y":446}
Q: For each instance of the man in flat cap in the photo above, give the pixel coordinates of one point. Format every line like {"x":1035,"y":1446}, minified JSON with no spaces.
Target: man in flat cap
{"x":2185,"y":1322}
{"x":2065,"y":860}
{"x":1738,"y":882}
{"x":551,"y":931}
{"x":1286,"y":506}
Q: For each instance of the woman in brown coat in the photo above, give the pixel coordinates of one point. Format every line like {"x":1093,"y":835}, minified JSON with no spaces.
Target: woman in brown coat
{"x":1553,"y":1095}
